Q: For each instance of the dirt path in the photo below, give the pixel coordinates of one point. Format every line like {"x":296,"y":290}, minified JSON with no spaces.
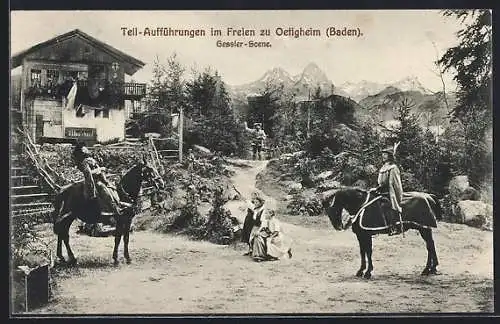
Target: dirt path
{"x":171,"y":274}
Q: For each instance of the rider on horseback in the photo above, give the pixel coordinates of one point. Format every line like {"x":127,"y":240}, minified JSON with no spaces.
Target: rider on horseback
{"x":95,"y":180}
{"x":390,"y":187}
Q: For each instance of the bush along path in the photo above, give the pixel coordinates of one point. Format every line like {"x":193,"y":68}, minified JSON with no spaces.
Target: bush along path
{"x":172,"y":274}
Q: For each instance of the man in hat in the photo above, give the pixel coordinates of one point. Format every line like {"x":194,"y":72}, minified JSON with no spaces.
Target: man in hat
{"x":258,"y":137}
{"x":390,"y":187}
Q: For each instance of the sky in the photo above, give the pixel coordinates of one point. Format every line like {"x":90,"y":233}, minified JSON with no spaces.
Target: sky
{"x":395,"y":43}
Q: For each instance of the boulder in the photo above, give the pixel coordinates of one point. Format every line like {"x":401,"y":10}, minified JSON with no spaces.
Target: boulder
{"x":470,"y":194}
{"x":328,"y":185}
{"x":457,"y":185}
{"x":204,"y":208}
{"x":473,"y":213}
{"x":293,"y":187}
{"x":177,"y":200}
{"x":323,"y":176}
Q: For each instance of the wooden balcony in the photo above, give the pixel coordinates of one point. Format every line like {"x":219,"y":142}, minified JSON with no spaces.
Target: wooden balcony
{"x":125,"y":90}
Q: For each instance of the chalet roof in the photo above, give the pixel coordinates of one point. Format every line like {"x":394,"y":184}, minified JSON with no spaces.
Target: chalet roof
{"x":133,"y":64}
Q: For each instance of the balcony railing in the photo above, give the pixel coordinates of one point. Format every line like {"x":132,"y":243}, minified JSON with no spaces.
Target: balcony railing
{"x":125,"y":89}
{"x":117,"y":90}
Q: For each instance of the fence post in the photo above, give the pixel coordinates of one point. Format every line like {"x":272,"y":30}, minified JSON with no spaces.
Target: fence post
{"x":181,"y":129}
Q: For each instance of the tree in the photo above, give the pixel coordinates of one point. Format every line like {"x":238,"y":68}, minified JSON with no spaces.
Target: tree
{"x":471,"y":60}
{"x":166,"y":93}
{"x":174,"y":85}
{"x":213,"y":123}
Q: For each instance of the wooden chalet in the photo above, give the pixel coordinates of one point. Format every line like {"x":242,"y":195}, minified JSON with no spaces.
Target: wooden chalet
{"x":43,"y":101}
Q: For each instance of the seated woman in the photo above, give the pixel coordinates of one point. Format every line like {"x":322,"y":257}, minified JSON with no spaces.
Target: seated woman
{"x":278,"y":244}
{"x":268,"y":241}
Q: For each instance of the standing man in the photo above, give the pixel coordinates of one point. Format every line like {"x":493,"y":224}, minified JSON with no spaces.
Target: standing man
{"x":258,"y":137}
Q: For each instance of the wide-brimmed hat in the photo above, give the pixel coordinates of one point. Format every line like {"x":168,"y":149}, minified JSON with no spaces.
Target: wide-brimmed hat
{"x":391,"y":149}
{"x":388,"y":150}
{"x":258,"y":196}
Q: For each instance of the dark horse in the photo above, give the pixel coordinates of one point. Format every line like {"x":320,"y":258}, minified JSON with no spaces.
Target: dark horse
{"x":420,"y":212}
{"x":70,"y":204}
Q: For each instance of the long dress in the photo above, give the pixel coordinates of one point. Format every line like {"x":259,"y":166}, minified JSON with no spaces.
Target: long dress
{"x":389,"y":181}
{"x":97,"y":186}
{"x":278,"y":244}
{"x":259,"y":234}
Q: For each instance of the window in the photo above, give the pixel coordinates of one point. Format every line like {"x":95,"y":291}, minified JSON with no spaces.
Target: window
{"x":105,"y":113}
{"x":36,"y":77}
{"x":82,"y":75}
{"x":97,"y":113}
{"x":52,"y":77}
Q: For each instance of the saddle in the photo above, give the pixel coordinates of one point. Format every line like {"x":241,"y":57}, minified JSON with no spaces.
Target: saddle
{"x":377,"y":213}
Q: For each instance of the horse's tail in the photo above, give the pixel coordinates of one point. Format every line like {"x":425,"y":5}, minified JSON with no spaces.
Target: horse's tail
{"x":438,"y":210}
{"x":58,"y":204}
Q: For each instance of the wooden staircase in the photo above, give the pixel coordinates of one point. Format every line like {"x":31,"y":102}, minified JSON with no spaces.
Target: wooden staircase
{"x":27,"y":198}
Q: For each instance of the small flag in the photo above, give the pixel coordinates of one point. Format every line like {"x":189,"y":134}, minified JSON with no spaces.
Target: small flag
{"x":71,"y":96}
{"x":175,"y":120}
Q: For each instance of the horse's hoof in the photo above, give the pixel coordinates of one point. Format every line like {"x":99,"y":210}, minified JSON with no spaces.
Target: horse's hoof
{"x":425,"y":272}
{"x":367,"y":275}
{"x":72,"y":262}
{"x":359,"y":273}
{"x":116,"y":262}
{"x":129,"y":261}
{"x":434,"y":272}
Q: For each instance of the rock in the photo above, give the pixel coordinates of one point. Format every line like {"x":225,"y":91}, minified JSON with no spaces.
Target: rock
{"x":202,"y":149}
{"x":328,"y":185}
{"x":204,"y":208}
{"x":323,"y":176}
{"x":293,"y":187}
{"x":470,"y":194}
{"x":177,"y":200}
{"x":474,"y":213}
{"x":287,"y":176}
{"x":457,"y":185}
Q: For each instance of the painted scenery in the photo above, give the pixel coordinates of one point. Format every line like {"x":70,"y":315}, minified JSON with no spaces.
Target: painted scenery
{"x":238,"y":162}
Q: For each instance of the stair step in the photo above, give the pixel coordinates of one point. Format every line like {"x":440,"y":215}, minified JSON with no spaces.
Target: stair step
{"x":31,"y":212}
{"x":38,"y":204}
{"x":30,"y":195}
{"x":21,"y":177}
{"x":24,"y":187}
